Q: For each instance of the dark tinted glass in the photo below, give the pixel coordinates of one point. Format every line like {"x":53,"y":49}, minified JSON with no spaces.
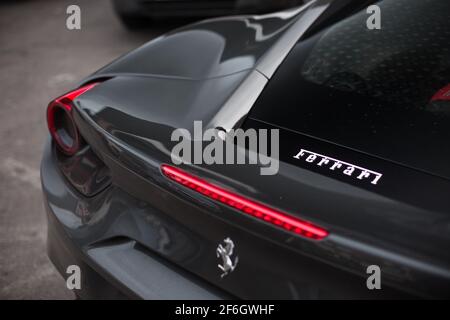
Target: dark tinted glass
{"x":384,"y":92}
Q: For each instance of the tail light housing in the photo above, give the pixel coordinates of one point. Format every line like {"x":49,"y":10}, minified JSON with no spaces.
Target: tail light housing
{"x":260,"y":211}
{"x":442,"y":95}
{"x":61,"y":123}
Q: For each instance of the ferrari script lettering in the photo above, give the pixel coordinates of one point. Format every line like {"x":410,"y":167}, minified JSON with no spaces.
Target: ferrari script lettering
{"x":332,"y":164}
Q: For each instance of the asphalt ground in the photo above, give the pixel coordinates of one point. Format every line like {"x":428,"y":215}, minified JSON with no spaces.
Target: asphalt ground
{"x":39,"y":60}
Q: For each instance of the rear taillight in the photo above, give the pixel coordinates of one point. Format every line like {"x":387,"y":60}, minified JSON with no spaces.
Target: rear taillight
{"x":61,"y":124}
{"x":249,"y":207}
{"x":442,"y":95}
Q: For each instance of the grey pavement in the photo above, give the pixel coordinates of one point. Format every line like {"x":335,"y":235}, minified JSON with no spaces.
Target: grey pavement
{"x":39,"y":60}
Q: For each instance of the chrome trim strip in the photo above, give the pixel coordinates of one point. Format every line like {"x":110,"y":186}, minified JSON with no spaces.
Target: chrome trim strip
{"x":239,"y":103}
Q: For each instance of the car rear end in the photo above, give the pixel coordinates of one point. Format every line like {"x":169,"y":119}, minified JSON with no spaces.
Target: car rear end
{"x":141,"y":227}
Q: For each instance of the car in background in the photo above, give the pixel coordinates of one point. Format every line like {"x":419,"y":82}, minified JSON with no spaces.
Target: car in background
{"x":140,"y":13}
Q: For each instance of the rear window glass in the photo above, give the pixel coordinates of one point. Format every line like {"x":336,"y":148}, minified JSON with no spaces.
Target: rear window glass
{"x":384,"y":92}
{"x":405,"y":62}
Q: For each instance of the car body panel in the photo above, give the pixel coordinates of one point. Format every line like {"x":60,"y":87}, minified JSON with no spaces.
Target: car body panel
{"x":374,"y":234}
{"x":219,"y":47}
{"x":163,"y":228}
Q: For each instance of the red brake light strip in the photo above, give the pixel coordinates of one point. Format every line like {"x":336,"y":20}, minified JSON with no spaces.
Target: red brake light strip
{"x":78,"y":92}
{"x":259,"y":211}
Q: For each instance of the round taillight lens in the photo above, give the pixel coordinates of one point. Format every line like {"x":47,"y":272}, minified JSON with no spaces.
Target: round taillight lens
{"x":62,"y":127}
{"x":60,"y":121}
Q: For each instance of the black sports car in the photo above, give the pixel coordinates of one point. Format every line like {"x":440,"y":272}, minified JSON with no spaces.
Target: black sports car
{"x":349,"y":196}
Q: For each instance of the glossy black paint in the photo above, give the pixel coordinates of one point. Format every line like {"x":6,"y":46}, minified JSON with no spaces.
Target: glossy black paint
{"x":85,"y":171}
{"x":208,"y":49}
{"x":144,"y":226}
{"x":167,"y":102}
